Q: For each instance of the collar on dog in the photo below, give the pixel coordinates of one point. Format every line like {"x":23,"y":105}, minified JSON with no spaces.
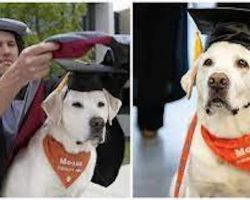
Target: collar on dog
{"x":67,"y":166}
{"x":233,"y":151}
{"x":184,"y":156}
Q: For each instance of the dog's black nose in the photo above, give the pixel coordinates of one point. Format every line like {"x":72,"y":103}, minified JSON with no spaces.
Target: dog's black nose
{"x":218,"y":81}
{"x":97,"y":123}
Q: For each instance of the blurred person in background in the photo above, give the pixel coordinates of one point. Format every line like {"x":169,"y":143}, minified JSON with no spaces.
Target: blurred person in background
{"x":160,"y":59}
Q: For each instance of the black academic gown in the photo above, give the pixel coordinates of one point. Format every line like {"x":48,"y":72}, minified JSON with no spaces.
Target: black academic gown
{"x":160,"y":58}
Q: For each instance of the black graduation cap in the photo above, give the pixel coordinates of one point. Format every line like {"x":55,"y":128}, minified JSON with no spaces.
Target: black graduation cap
{"x":223,"y":24}
{"x":87,"y":77}
{"x":15,"y":26}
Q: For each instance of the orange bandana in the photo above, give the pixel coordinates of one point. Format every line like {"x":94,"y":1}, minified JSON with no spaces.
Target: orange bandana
{"x":67,"y":166}
{"x":233,"y":151}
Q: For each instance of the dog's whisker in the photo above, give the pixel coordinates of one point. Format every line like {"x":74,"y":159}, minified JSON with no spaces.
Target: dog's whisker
{"x":247,"y":105}
{"x":78,"y":142}
{"x":235,"y":111}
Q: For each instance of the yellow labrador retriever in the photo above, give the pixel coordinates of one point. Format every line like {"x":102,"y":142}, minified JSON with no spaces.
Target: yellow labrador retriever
{"x":219,"y":163}
{"x":60,"y":159}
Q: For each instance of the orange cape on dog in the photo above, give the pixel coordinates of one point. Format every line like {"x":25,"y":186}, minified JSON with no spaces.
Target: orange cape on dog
{"x":233,"y":151}
{"x":66,"y":165}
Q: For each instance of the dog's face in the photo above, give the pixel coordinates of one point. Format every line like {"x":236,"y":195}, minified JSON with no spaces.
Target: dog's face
{"x":86,"y":113}
{"x":83,"y":114}
{"x":222,"y":76}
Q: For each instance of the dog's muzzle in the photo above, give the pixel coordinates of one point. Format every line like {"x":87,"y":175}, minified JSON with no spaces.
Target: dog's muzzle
{"x":96,"y":125}
{"x":218,"y":84}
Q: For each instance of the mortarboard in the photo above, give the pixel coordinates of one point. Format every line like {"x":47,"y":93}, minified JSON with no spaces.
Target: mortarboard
{"x":77,"y":44}
{"x":86,"y":77}
{"x":223,"y":24}
{"x":15,"y":26}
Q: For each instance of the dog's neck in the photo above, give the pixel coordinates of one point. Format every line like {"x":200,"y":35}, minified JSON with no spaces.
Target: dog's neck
{"x":61,"y":135}
{"x":224,"y":124}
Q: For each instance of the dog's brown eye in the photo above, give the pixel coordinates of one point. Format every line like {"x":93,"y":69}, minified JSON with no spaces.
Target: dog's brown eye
{"x":77,"y":105}
{"x":100,"y":104}
{"x":208,"y":62}
{"x":242,"y":63}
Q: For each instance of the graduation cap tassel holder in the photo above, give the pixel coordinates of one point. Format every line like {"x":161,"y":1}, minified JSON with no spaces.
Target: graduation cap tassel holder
{"x":63,"y":82}
{"x":198,"y":48}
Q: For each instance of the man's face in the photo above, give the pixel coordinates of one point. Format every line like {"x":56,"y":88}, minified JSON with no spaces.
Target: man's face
{"x":8,"y":50}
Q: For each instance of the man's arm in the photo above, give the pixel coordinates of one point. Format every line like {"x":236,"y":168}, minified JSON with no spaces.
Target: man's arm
{"x":33,"y":63}
{"x":10,"y":85}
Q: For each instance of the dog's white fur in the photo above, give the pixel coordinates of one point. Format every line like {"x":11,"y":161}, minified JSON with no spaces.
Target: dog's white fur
{"x":206,"y":175}
{"x":31,"y":175}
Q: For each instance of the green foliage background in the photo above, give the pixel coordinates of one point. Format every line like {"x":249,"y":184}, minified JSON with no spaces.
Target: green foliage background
{"x":46,"y":19}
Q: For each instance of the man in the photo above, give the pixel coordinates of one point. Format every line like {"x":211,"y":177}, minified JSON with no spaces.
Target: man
{"x":20,"y":72}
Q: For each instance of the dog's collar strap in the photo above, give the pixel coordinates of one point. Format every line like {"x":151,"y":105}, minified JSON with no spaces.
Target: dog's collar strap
{"x":233,"y":151}
{"x":67,"y":166}
{"x":184,"y":156}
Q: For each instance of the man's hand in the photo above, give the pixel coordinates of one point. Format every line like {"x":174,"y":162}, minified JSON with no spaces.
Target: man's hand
{"x":33,"y":62}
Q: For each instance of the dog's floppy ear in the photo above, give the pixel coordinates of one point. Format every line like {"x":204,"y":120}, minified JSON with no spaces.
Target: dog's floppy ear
{"x":114,"y":105}
{"x":188,"y":79}
{"x":52,"y":105}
